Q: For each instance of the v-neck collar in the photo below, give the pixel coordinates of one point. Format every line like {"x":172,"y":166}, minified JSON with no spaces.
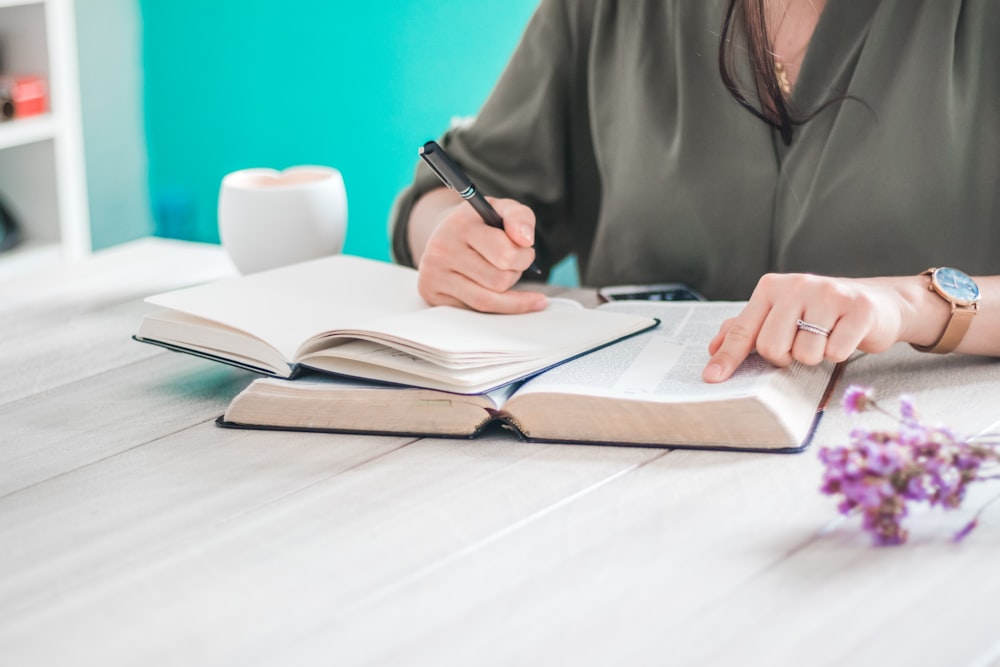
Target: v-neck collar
{"x":832,"y":52}
{"x":830,"y":57}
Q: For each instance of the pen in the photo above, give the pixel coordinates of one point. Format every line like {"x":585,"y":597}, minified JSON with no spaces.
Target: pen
{"x":455,"y":179}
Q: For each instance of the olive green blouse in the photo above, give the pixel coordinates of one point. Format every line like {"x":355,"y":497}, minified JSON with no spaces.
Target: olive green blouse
{"x":611,"y":121}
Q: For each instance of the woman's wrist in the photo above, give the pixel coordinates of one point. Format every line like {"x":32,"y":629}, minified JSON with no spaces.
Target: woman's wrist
{"x":426,"y":214}
{"x":923,"y":315}
{"x":926,"y":313}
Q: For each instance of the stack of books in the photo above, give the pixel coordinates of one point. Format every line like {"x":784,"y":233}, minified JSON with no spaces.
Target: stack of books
{"x":346,"y":344}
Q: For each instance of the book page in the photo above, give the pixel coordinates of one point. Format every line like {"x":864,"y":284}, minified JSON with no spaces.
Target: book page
{"x":460,"y":338}
{"x":285,"y":307}
{"x":364,"y":359}
{"x":174,"y":328}
{"x":307,"y":311}
{"x":664,"y":364}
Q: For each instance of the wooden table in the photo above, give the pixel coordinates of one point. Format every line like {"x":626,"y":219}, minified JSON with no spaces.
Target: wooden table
{"x":133,"y":531}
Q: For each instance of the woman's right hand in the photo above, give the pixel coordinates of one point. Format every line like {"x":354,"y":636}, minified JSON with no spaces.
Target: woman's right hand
{"x":464,"y":262}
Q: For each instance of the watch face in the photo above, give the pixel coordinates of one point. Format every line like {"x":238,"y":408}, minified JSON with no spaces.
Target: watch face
{"x":957,"y":285}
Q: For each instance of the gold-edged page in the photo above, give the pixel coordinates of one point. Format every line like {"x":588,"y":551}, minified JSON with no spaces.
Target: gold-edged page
{"x":319,"y":402}
{"x":648,"y":389}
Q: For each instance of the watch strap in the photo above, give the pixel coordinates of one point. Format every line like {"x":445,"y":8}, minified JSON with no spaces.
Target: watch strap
{"x":954,"y":331}
{"x":958,"y":322}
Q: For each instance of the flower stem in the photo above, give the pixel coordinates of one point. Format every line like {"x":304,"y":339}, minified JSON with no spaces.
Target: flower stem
{"x":968,"y":528}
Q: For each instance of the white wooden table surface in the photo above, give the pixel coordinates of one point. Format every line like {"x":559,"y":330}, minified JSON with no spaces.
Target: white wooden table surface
{"x":133,"y":531}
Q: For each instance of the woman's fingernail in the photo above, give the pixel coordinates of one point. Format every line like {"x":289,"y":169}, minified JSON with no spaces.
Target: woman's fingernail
{"x":528,"y":232}
{"x":713,"y":373}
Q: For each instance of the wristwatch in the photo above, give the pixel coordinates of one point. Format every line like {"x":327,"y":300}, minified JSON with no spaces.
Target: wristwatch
{"x":961,"y":291}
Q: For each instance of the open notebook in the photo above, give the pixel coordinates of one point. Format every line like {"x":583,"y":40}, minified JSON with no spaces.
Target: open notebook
{"x":363,"y":318}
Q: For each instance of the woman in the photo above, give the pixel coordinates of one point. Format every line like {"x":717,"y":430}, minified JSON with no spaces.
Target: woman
{"x":714,"y":142}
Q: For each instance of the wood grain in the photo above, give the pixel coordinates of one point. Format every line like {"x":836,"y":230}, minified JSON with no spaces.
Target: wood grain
{"x":135,"y":531}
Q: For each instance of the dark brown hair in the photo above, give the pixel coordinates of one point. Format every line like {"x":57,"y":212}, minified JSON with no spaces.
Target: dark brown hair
{"x":773,"y":108}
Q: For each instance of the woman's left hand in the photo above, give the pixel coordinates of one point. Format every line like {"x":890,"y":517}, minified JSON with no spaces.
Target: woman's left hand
{"x":859,"y":314}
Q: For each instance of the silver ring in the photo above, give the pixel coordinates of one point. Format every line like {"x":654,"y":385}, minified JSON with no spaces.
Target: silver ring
{"x":812,"y":328}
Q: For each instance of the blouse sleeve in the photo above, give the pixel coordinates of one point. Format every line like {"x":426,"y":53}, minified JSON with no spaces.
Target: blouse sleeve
{"x":520,"y":144}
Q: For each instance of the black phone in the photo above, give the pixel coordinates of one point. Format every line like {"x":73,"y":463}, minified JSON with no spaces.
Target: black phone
{"x":655,"y":292}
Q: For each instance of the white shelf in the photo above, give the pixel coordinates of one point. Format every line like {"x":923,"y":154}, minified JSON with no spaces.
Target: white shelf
{"x":19,"y":3}
{"x":27,"y":130}
{"x":42,"y":176}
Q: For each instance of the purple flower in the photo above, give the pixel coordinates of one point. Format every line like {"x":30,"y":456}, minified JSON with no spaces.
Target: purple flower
{"x":878,"y":472}
{"x":857,"y":398}
{"x":907,"y":410}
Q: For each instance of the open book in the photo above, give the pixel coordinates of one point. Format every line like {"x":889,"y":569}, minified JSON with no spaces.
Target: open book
{"x":364,"y":318}
{"x":646,"y":390}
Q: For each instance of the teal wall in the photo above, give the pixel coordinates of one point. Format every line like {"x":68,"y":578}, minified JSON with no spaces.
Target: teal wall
{"x":231,"y":84}
{"x":114,"y":138}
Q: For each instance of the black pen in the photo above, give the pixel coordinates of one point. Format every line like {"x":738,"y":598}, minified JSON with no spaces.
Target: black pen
{"x":455,"y":179}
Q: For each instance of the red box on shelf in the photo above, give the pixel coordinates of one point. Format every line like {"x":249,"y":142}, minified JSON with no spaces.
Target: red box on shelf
{"x":22,"y":96}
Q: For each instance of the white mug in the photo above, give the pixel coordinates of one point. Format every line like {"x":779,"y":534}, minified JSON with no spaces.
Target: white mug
{"x":270,"y":218}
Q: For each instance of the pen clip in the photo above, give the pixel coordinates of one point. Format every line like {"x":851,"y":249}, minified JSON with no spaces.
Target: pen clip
{"x":446,"y":170}
{"x":426,"y":151}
